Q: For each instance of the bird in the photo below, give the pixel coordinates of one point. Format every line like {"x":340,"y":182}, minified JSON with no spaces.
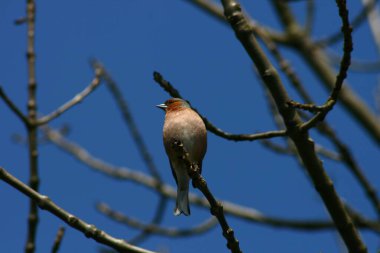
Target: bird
{"x":185,"y":125}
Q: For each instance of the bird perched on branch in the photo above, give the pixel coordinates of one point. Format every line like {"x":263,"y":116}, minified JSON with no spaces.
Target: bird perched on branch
{"x":185,"y":125}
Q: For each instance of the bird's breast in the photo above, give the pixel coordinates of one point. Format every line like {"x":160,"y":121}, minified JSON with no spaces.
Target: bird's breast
{"x":188,"y":128}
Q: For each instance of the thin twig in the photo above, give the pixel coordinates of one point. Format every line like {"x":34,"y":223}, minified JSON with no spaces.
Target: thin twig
{"x":216,"y":207}
{"x":139,"y":141}
{"x":217,"y":131}
{"x":288,"y":151}
{"x":13,"y":107}
{"x":242,"y":212}
{"x":74,"y":101}
{"x":58,"y":240}
{"x":344,"y":65}
{"x":345,"y":154}
{"x":356,"y":21}
{"x":305,"y":145}
{"x":128,"y":119}
{"x":156,"y":229}
{"x":20,"y":21}
{"x":216,"y":11}
{"x":357,"y":65}
{"x":310,"y":10}
{"x":352,"y":165}
{"x":34,"y":180}
{"x":324,"y":128}
{"x":373,"y":17}
{"x":317,"y":60}
{"x":289,"y":148}
{"x":89,"y":230}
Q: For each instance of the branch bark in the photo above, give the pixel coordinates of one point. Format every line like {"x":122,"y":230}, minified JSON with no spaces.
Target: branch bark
{"x":304,"y":144}
{"x":89,"y":230}
{"x":34,"y":180}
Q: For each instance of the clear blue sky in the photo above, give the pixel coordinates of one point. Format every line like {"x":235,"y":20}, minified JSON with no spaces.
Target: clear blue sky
{"x":205,"y":62}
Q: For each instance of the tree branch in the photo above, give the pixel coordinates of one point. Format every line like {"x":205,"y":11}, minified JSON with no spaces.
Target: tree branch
{"x":318,"y":61}
{"x":74,"y":101}
{"x":305,"y":146}
{"x":344,"y":65}
{"x":154,"y":228}
{"x":58,"y":240}
{"x":242,"y":212}
{"x":139,"y":141}
{"x":34,"y":180}
{"x":88,"y":230}
{"x":216,"y":207}
{"x":217,"y":131}
{"x":356,"y":21}
{"x":13,"y":107}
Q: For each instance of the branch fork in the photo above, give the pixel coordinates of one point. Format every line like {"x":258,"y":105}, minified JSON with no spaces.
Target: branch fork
{"x":216,"y":207}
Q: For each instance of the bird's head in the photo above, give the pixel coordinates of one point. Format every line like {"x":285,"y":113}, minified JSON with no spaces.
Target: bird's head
{"x":174,"y":104}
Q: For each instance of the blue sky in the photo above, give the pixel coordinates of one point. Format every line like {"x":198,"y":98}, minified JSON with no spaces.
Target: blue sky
{"x":205,"y":62}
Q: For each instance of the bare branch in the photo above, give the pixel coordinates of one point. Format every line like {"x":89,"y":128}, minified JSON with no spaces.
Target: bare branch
{"x":357,"y":65}
{"x":216,"y":11}
{"x":21,"y":21}
{"x":216,"y":207}
{"x":344,"y":65}
{"x":34,"y":180}
{"x":310,"y":10}
{"x":217,"y":131}
{"x":356,"y":21}
{"x":74,"y":101}
{"x":318,"y":62}
{"x":139,"y":141}
{"x":155,"y":229}
{"x":88,"y":230}
{"x":305,"y":146}
{"x":242,"y":212}
{"x":58,"y":239}
{"x":288,"y":151}
{"x":373,"y":17}
{"x":324,"y":128}
{"x":344,"y":152}
{"x":352,"y":165}
{"x":13,"y":107}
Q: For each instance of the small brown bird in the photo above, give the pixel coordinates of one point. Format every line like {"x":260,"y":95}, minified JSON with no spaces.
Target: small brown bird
{"x":185,"y":125}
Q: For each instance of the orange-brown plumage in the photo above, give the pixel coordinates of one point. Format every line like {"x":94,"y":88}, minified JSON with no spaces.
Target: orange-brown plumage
{"x":183,"y":124}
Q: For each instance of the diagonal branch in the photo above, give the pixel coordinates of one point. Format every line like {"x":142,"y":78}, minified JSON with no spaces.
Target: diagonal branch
{"x":217,"y":131}
{"x":13,"y":107}
{"x":344,"y":153}
{"x":216,"y":11}
{"x":310,"y":10}
{"x":156,"y":229}
{"x":216,"y":207}
{"x":139,"y":141}
{"x":304,"y":144}
{"x":74,"y":101}
{"x":352,"y":165}
{"x":242,"y":212}
{"x":356,"y":21}
{"x":58,"y":240}
{"x":344,"y":65}
{"x":88,"y":230}
{"x":316,"y":58}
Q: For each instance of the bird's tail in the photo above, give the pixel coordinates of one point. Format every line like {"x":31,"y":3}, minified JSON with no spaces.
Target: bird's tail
{"x":182,"y":203}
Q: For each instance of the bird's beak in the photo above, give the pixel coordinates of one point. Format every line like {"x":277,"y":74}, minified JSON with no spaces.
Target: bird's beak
{"x":162,"y":106}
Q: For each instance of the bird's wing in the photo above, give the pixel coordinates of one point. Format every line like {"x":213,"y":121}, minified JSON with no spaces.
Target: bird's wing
{"x":173,"y":172}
